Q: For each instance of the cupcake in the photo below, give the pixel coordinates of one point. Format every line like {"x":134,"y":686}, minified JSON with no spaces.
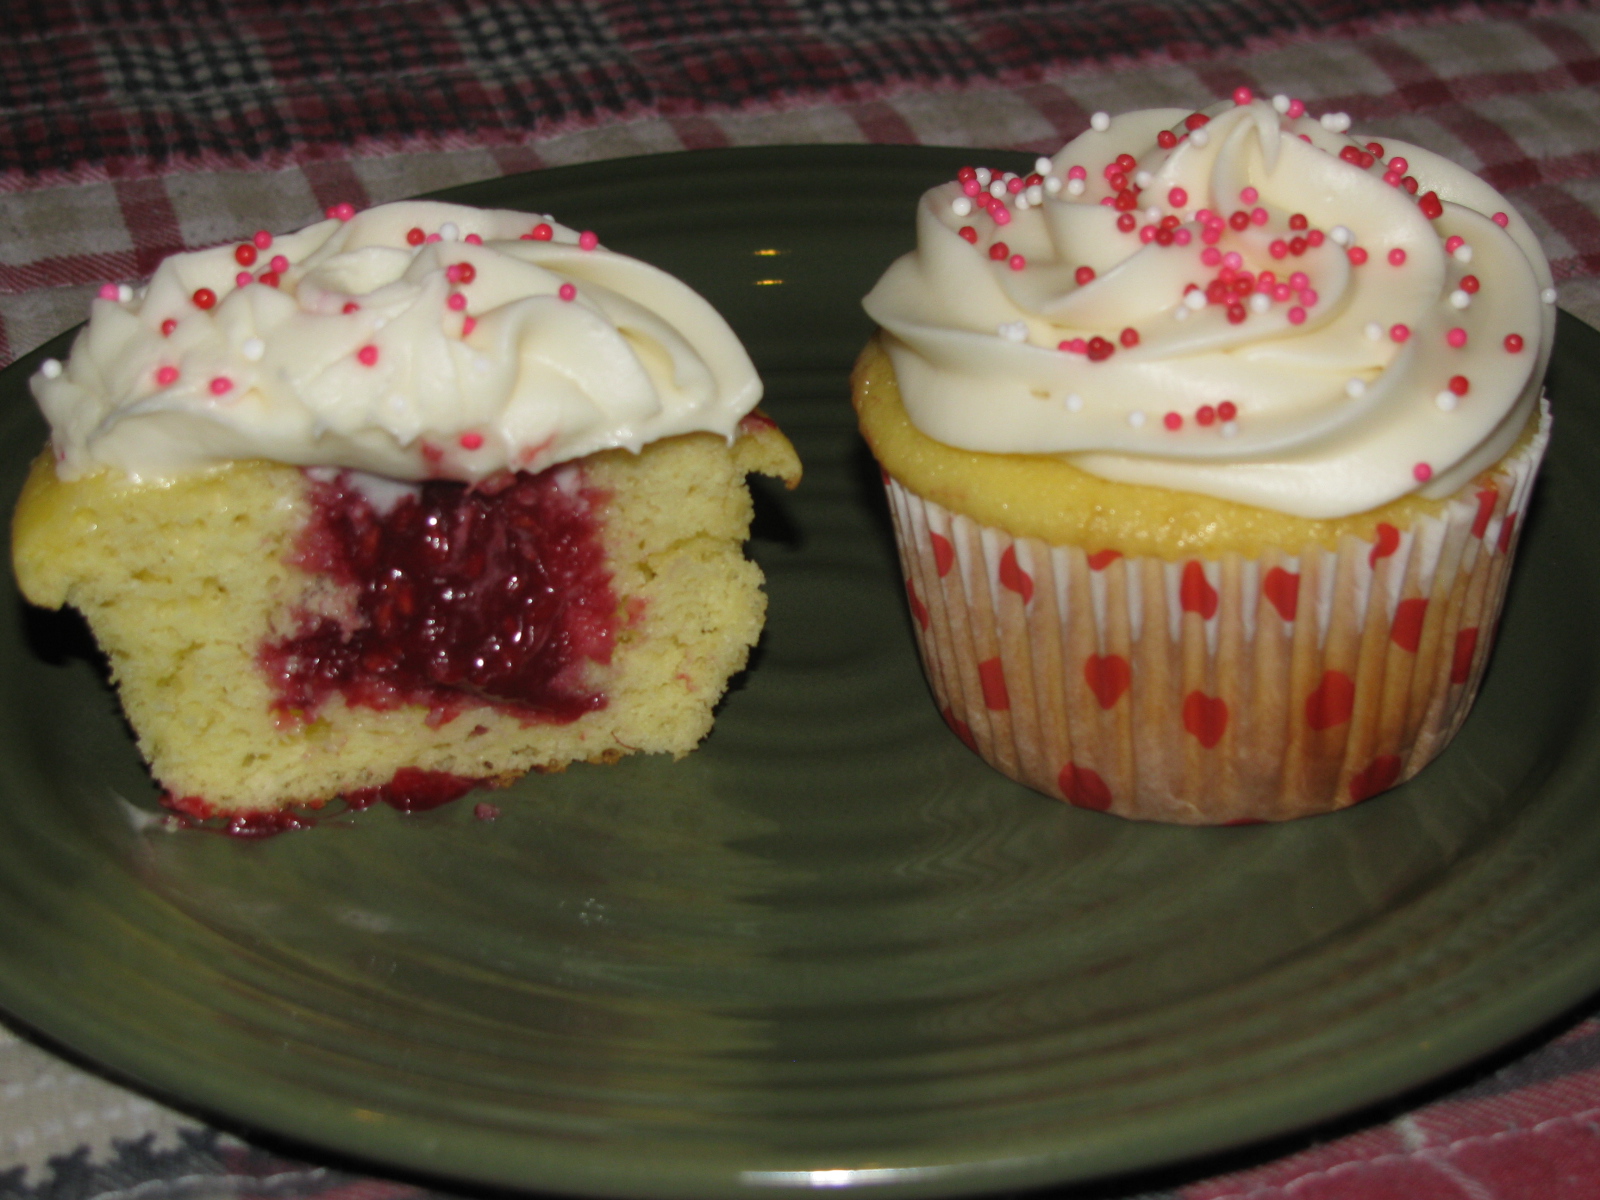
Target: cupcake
{"x":409,"y":501}
{"x":1207,"y":446}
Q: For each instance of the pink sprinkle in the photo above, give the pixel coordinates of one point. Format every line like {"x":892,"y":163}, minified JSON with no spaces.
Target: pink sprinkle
{"x":1399,"y":165}
{"x":433,"y":237}
{"x":456,"y":302}
{"x":1017,"y":262}
{"x":1243,"y":95}
{"x":431,"y":453}
{"x":1073,"y":346}
{"x":1233,"y":260}
{"x":1399,"y":332}
{"x":588,"y":240}
{"x":1015,"y":184}
{"x":1298,"y":280}
{"x":971,"y":187}
{"x":1278,"y":249}
{"x":1172,"y":421}
{"x":1297,"y":315}
{"x":166,"y":376}
{"x":221,"y":385}
{"x":108,"y":291}
{"x":1393,"y":178}
{"x":471,"y":441}
{"x":242,"y":278}
{"x":1111,"y":168}
{"x":261,"y":239}
{"x":1177,"y":197}
{"x":1249,"y":195}
{"x":1267,"y":278}
{"x":1423,"y":472}
{"x":1077,"y":173}
{"x":1397,"y":257}
{"x":342,"y":211}
{"x":1308,"y":297}
{"x":1501,"y":219}
{"x":1282,"y":292}
{"x":468,"y":324}
{"x":1297,"y":109}
{"x":568,"y":292}
{"x":1108,"y":201}
{"x":1204,"y":215}
{"x":453,"y":272}
{"x":1457,"y":337}
{"x":485,"y":811}
{"x":1211,"y":256}
{"x":280,"y":264}
{"x":1001,"y":214}
{"x":1181,"y":236}
{"x":1357,"y":255}
{"x":1147,"y":233}
{"x":368,"y":355}
{"x":1258,"y":216}
{"x":1211,"y":235}
{"x":473,"y":239}
{"x":1452,"y":243}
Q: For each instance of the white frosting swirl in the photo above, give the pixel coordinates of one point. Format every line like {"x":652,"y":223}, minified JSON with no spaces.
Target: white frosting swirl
{"x":413,"y":340}
{"x":1332,"y":412}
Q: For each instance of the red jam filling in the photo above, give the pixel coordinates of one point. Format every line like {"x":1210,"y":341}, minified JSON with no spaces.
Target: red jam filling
{"x":494,"y":594}
{"x":410,"y":791}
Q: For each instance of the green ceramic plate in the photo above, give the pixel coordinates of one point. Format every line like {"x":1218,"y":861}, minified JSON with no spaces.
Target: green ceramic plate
{"x":832,"y":946}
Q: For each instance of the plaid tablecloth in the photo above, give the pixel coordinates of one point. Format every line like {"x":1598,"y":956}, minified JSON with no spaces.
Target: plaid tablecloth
{"x":133,"y":128}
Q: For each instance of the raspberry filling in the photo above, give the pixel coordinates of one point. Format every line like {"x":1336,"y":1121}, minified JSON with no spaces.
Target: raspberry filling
{"x":452,"y":597}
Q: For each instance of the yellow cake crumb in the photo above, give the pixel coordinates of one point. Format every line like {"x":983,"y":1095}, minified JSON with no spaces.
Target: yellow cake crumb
{"x":183,"y":582}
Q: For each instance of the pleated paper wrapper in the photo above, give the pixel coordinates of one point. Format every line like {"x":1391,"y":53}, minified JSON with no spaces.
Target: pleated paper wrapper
{"x":1209,"y":691}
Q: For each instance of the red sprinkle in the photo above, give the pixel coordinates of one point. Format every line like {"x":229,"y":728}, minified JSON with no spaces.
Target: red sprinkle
{"x":1172,"y":421}
{"x":1177,"y":197}
{"x":1514,"y":343}
{"x":1397,"y":257}
{"x":415,"y":236}
{"x":1431,"y":206}
{"x":1470,"y":284}
{"x":1298,"y":221}
{"x":1227,"y":410}
{"x":1399,"y":332}
{"x":1501,"y":219}
{"x":1205,"y":414}
{"x":543,"y":232}
{"x":167,"y":375}
{"x":1357,"y":255}
{"x":1084,"y":275}
{"x":1129,"y":336}
{"x":171,"y":323}
{"x":368,"y":355}
{"x":204,"y":298}
{"x":1194,"y":120}
{"x":350,"y":306}
{"x":1099,"y":349}
{"x":969,"y":233}
{"x":244,"y":254}
{"x":588,"y":240}
{"x":999,"y":250}
{"x":1459,"y":385}
{"x":1243,"y":95}
{"x":1166,"y":139}
{"x":270,"y":278}
{"x":1127,"y":222}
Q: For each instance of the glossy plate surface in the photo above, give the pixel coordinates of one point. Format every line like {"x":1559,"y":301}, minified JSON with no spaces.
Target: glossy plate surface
{"x":832,"y":946}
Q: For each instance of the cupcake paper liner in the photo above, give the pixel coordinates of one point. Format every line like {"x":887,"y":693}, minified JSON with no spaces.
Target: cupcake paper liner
{"x":1209,"y":691}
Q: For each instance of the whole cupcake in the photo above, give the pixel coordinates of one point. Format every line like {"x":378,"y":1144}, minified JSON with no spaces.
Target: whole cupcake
{"x":1207,"y":446}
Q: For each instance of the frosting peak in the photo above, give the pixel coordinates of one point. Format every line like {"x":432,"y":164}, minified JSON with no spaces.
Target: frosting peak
{"x":1244,"y":303}
{"x":413,"y":340}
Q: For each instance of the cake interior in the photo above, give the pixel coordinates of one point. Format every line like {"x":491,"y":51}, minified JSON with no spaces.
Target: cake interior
{"x":282,"y":637}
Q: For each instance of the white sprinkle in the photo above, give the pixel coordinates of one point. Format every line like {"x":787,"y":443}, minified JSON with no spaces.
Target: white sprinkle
{"x":1200,"y":138}
{"x":1052,"y":184}
{"x":1153,"y":212}
{"x":124,"y":292}
{"x":1259,"y":302}
{"x":1548,"y":295}
{"x":50,"y":368}
{"x":1074,"y":402}
{"x":1136,"y":418}
{"x":253,"y":349}
{"x":1460,"y":299}
{"x":1014,"y":331}
{"x":1022,"y":203}
{"x":448,"y":232}
{"x":1228,"y":428}
{"x":1181,"y":313}
{"x":1142,"y":178}
{"x":1035,"y":194}
{"x":1374,"y":331}
{"x":1355,"y":389}
{"x":1342,"y":235}
{"x":983,"y":175}
{"x":1042,"y":165}
{"x":1336,"y":122}
{"x":997,"y":189}
{"x":1074,"y":187}
{"x":1195,"y":299}
{"x":1100,"y":122}
{"x":1462,"y":253}
{"x":961,"y":206}
{"x":1281,"y":102}
{"x":1446,"y":400}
